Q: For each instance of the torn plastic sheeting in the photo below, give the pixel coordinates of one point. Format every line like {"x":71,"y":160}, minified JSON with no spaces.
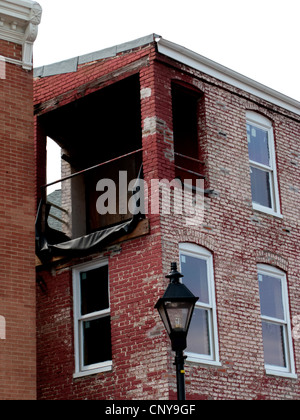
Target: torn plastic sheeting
{"x":90,"y":242}
{"x":50,"y":242}
{"x":93,"y":240}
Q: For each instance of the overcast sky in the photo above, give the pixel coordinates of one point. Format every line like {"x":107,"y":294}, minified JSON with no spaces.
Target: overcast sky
{"x":257,"y":38}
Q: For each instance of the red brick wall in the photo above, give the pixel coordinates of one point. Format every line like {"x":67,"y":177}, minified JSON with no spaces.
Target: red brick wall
{"x":237,"y":236}
{"x":135,"y":272}
{"x":17,"y":216}
{"x":139,"y":364}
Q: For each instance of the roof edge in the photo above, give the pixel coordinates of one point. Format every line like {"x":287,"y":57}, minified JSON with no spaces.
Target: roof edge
{"x":71,"y":65}
{"x":220,"y":72}
{"x":184,"y":56}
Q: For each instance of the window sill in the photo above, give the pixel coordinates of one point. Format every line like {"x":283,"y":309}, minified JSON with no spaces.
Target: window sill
{"x":272,"y":372}
{"x":95,"y":371}
{"x":267,"y":211}
{"x":199,"y":361}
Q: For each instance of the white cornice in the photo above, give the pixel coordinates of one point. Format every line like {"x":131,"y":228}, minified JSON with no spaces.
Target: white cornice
{"x":19,"y":20}
{"x":224,"y":74}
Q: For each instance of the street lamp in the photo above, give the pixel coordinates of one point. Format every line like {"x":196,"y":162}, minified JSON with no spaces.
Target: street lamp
{"x":176,"y":309}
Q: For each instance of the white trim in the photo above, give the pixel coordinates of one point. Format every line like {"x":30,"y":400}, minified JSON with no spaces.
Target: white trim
{"x":106,"y":367}
{"x":224,"y":74}
{"x":261,"y":122}
{"x":257,"y":118}
{"x":197,"y":251}
{"x":12,"y":61}
{"x":19,"y":20}
{"x":289,"y":371}
{"x":266,"y":210}
{"x":196,"y":358}
{"x":281,"y":374}
{"x":80,"y":369}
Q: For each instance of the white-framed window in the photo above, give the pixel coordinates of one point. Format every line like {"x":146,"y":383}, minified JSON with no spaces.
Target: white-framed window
{"x":92,"y":330}
{"x":196,"y":264}
{"x":276,"y":325}
{"x":261,"y":148}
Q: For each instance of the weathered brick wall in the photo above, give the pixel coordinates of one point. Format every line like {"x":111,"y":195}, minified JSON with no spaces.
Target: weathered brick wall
{"x":238,"y":237}
{"x":17,"y":215}
{"x":139,"y":345}
{"x":139,"y":356}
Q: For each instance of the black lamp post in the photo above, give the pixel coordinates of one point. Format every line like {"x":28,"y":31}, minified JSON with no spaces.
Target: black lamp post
{"x":176,"y":309}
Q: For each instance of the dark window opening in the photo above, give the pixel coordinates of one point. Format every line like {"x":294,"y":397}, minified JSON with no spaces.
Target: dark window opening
{"x":103,"y":127}
{"x":97,"y":341}
{"x":186,"y":108}
{"x":94,"y":293}
{"x":94,"y":328}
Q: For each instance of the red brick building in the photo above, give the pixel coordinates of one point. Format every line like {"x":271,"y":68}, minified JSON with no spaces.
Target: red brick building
{"x":154,"y":110}
{"x":19,"y":20}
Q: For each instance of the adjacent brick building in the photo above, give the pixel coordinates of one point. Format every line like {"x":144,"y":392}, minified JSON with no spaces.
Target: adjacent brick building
{"x":154,"y":108}
{"x":18,"y":29}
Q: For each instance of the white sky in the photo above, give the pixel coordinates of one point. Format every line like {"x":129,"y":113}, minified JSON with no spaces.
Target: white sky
{"x":257,"y":38}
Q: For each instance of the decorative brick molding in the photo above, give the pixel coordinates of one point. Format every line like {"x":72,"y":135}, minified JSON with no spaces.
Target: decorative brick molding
{"x":268,"y":257}
{"x":193,"y":236}
{"x":19,"y":20}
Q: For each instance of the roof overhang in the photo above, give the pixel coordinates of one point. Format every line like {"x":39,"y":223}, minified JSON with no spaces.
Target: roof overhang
{"x":211,"y":68}
{"x":184,"y":56}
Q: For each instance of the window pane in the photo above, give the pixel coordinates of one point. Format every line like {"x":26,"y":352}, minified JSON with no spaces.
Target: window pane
{"x":97,"y":341}
{"x":94,"y":290}
{"x":198,"y":336}
{"x":260,"y":187}
{"x":195,"y":276}
{"x":271,"y":301}
{"x":258,"y":145}
{"x":273,"y":337}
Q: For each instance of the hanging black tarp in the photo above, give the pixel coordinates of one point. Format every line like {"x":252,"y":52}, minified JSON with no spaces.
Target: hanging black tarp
{"x":52,"y":243}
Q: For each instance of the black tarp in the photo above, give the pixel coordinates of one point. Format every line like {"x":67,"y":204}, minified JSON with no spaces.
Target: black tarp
{"x":52,"y":243}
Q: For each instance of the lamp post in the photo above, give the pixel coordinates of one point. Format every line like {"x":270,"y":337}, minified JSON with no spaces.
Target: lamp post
{"x":176,"y":309}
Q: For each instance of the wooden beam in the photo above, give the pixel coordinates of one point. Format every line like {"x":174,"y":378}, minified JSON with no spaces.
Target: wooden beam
{"x":142,"y":229}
